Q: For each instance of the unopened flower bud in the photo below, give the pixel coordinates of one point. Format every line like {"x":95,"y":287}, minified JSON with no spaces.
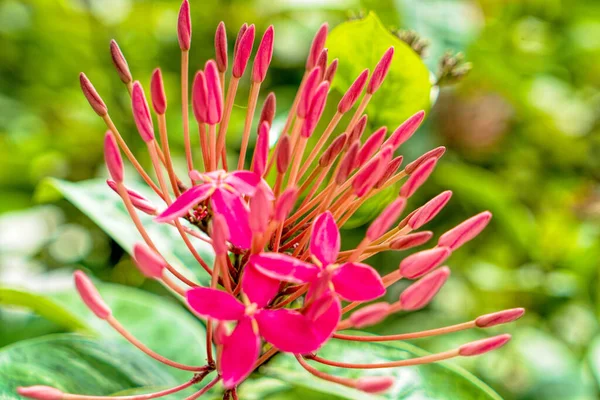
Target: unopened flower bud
{"x":310,"y":85}
{"x":381,"y":70}
{"x":141,"y":113}
{"x":263,"y":56}
{"x":317,"y":106}
{"x":431,"y":154}
{"x":157,"y":91}
{"x":221,"y":47}
{"x":411,"y":240}
{"x":120,"y":63}
{"x":39,"y":392}
{"x":112,"y":157}
{"x":148,"y":261}
{"x":420,"y":293}
{"x":285,"y":203}
{"x":330,"y":71}
{"x":283,"y":154}
{"x":90,"y":296}
{"x":261,"y":151}
{"x":418,"y":264}
{"x":372,"y":144}
{"x":386,"y":219}
{"x":333,"y":150}
{"x":316,"y":47}
{"x":465,"y":231}
{"x":499,"y":318}
{"x":200,"y":98}
{"x":405,"y":130}
{"x":347,"y":163}
{"x":390,"y":170}
{"x":370,"y":315}
{"x":243,"y":52}
{"x":353,"y":93}
{"x":268,"y":111}
{"x":483,"y":346}
{"x":358,"y":129}
{"x":261,"y":208}
{"x":429,"y":210}
{"x":374,"y":384}
{"x":184,"y":26}
{"x":214,"y":93}
{"x":92,"y":95}
{"x":219,"y":234}
{"x":417,"y":178}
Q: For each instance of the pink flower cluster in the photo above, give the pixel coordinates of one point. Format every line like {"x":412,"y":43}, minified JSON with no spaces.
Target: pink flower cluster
{"x":280,"y":281}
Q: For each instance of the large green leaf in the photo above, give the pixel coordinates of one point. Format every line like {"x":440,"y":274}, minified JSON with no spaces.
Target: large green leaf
{"x":106,"y":209}
{"x":77,"y":364}
{"x":359,"y":44}
{"x":441,"y":381}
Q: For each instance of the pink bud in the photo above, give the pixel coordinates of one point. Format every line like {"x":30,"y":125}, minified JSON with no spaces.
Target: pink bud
{"x":405,"y":130}
{"x":465,"y":231}
{"x":411,"y":240}
{"x":92,"y":95}
{"x":283,"y":154}
{"x":420,"y":293}
{"x":157,"y":91}
{"x":40,"y":392}
{"x":90,"y":296}
{"x":374,"y":384}
{"x":141,"y":113}
{"x":434,"y":153}
{"x":268,"y":111}
{"x":405,"y":220}
{"x":370,"y":315}
{"x":381,"y":70}
{"x":221,"y":47}
{"x":200,"y":98}
{"x":322,"y":63}
{"x":499,"y":318}
{"x":112,"y":157}
{"x":317,"y":106}
{"x":138,"y":201}
{"x":261,"y":209}
{"x":261,"y":151}
{"x":219,"y":234}
{"x":390,"y":170}
{"x":214,"y":93}
{"x":316,"y":47}
{"x":120,"y":63}
{"x":347,"y":163}
{"x":310,"y":85}
{"x":353,"y":93}
{"x":333,"y":150}
{"x":417,"y":178}
{"x":184,"y":26}
{"x":221,"y":333}
{"x":483,"y":346}
{"x":285,"y":203}
{"x":263,"y":56}
{"x":429,"y":210}
{"x":358,"y":129}
{"x":372,"y":144}
{"x":386,"y":219}
{"x":243,"y":52}
{"x":241,"y":32}
{"x":150,"y":263}
{"x":330,"y":71}
{"x":418,"y":264}
{"x":369,"y":175}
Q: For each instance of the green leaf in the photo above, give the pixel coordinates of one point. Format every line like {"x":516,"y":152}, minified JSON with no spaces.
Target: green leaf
{"x":106,"y":209}
{"x":360,"y":44}
{"x":440,"y":381}
{"x":77,"y":364}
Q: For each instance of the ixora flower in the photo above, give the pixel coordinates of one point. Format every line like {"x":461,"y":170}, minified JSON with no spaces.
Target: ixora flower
{"x":280,"y":281}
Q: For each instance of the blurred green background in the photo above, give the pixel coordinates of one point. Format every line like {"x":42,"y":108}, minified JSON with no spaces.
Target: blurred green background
{"x":522,"y":132}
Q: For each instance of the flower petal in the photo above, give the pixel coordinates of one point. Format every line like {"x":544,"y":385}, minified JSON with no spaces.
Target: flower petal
{"x":182,"y":205}
{"x":357,"y":282}
{"x":259,"y":288}
{"x":245,"y":182}
{"x":284,"y":268}
{"x":233,"y":209}
{"x":288,"y":330}
{"x":239,"y":354}
{"x":326,"y":321}
{"x":216,"y":304}
{"x":325,"y":242}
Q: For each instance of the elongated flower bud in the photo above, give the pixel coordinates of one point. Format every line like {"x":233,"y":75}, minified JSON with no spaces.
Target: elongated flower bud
{"x":405,"y":130}
{"x":322,"y":63}
{"x":261,"y":151}
{"x":141,"y":113}
{"x":418,"y":264}
{"x":138,"y":201}
{"x":39,"y":392}
{"x":214,"y":94}
{"x":369,"y":175}
{"x":261,"y":209}
{"x":353,"y":93}
{"x":148,"y":261}
{"x":333,"y":150}
{"x":244,"y":50}
{"x":184,"y":26}
{"x":431,"y":154}
{"x":372,"y":144}
{"x":312,"y":81}
{"x":381,"y":70}
{"x":221,"y":47}
{"x":90,"y":296}
{"x":284,"y":153}
{"x":374,"y":384}
{"x":330,"y":71}
{"x":92,"y":95}
{"x":429,"y":210}
{"x":241,"y":32}
{"x":219,"y":234}
{"x":390,"y":170}
{"x":317,"y":106}
{"x":200,"y":98}
{"x":285,"y":203}
{"x":112,"y":157}
{"x":268,"y":111}
{"x":417,"y":178}
{"x":386,"y":219}
{"x":499,"y":318}
{"x":465,"y":231}
{"x":370,"y":315}
{"x":263,"y":57}
{"x":483,"y":346}
{"x":358,"y":129}
{"x":316,"y":47}
{"x":347,"y":163}
{"x":411,"y":240}
{"x":120,"y":62}
{"x":157,"y":91}
{"x":420,"y":293}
